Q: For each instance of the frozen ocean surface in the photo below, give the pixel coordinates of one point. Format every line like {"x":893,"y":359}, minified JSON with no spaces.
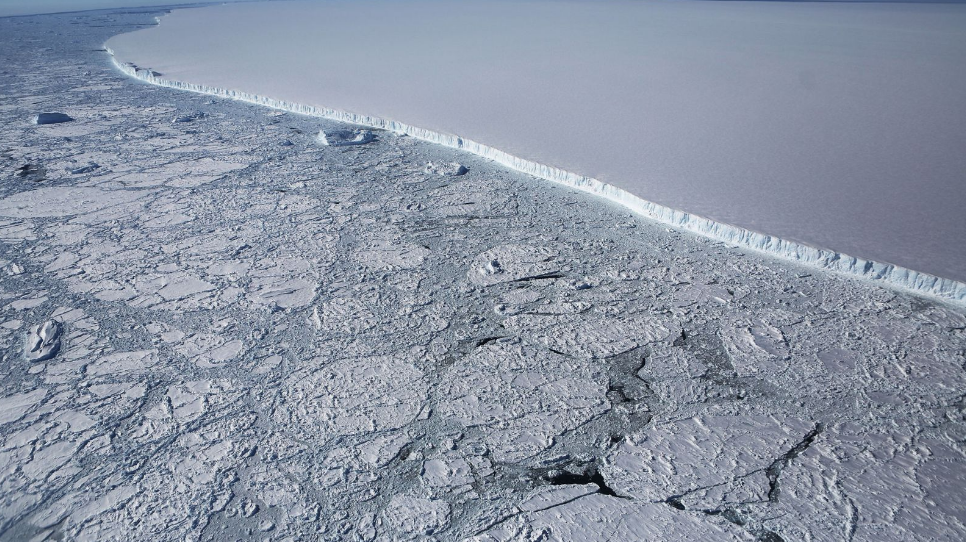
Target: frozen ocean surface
{"x":221,"y":322}
{"x":841,"y":126}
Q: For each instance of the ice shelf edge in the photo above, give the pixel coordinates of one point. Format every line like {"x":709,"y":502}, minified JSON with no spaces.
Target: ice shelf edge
{"x":893,"y":275}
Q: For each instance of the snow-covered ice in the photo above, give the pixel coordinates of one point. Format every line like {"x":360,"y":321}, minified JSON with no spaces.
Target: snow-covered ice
{"x":43,"y":341}
{"x":215,"y":336}
{"x":836,"y":125}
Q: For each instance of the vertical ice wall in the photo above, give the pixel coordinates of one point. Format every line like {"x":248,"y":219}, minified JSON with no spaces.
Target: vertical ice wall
{"x":892,"y":275}
{"x":835,"y":125}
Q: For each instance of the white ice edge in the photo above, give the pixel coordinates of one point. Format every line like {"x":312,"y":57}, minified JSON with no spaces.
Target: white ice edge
{"x":890,"y":274}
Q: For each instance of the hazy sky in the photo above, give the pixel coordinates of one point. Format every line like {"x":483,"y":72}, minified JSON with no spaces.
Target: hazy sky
{"x":27,"y":7}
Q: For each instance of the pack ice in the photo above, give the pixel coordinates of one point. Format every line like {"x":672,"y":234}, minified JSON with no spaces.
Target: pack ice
{"x":213,"y":336}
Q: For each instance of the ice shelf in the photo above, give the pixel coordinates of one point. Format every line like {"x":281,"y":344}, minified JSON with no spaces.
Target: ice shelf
{"x":632,"y":198}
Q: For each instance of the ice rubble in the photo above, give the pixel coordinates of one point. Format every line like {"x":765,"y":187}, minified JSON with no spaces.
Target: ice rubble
{"x":187,"y":117}
{"x":451,"y":169}
{"x":344,"y":138}
{"x":895,"y":275}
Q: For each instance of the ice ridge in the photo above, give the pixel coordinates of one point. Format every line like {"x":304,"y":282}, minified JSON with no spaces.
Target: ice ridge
{"x":886,"y":273}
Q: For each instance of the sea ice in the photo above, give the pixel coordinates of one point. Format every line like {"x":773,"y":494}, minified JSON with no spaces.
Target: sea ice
{"x":303,"y":342}
{"x":189,"y":117}
{"x":43,"y":341}
{"x":451,"y":169}
{"x":90,"y":167}
{"x":344,"y":138}
{"x":63,"y":201}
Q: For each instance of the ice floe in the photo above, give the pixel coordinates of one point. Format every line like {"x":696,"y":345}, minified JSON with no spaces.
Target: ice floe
{"x":43,"y":341}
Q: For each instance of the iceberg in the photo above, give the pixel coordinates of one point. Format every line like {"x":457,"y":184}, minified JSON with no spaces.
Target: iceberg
{"x":51,"y":118}
{"x":344,"y":138}
{"x":884,"y":195}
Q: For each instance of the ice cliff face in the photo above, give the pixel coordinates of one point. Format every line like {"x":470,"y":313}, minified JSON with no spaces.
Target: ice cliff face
{"x":895,"y":275}
{"x":818,"y":123}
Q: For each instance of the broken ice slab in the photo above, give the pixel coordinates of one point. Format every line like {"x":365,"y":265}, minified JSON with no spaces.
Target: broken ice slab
{"x":416,"y":516}
{"x":43,"y":341}
{"x":343,"y":138}
{"x":64,"y":201}
{"x":449,"y":169}
{"x":51,"y":118}
{"x":31,"y":172}
{"x":91,"y":166}
{"x":189,"y":117}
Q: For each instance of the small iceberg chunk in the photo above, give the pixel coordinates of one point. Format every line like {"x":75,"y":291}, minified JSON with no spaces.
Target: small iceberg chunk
{"x":31,"y":172}
{"x":492,"y":267}
{"x":43,"y":341}
{"x":91,"y":166}
{"x":448,"y":169}
{"x":51,"y":118}
{"x":189,"y":117}
{"x":344,"y":138}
